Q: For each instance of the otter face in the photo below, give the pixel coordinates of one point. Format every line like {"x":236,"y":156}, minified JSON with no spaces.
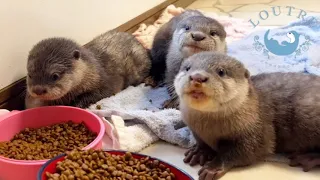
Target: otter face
{"x":51,"y":68}
{"x":199,"y":33}
{"x":211,"y":82}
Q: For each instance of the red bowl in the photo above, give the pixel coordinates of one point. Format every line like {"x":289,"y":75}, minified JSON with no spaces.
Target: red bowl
{"x":50,"y":166}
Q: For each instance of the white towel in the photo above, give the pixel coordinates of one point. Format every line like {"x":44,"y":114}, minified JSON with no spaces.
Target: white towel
{"x":136,"y":115}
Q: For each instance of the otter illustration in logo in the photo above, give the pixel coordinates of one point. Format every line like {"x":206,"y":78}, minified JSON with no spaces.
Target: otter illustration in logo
{"x":285,"y":48}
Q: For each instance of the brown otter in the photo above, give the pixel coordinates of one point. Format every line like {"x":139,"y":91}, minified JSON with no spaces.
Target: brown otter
{"x":192,"y":33}
{"x":62,"y":72}
{"x":161,"y":42}
{"x":238,"y":120}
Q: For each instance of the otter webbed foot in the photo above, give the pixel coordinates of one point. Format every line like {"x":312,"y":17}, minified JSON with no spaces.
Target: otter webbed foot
{"x":198,"y":155}
{"x":307,"y":161}
{"x":213,"y":170}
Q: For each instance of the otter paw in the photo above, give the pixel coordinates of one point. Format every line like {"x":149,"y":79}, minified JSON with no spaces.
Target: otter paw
{"x":212,"y":171}
{"x":197,"y":155}
{"x":307,"y":161}
{"x":171,"y":103}
{"x":149,"y":81}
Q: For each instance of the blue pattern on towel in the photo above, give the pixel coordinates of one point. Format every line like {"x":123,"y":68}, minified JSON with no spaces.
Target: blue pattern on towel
{"x":260,"y":61}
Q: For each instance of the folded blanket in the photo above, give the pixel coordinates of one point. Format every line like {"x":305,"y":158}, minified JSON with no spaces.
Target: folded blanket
{"x":264,"y":55}
{"x":135,"y":113}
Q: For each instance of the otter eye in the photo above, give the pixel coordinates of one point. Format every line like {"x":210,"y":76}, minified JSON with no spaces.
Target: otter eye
{"x":187,"y":68}
{"x":221,"y":72}
{"x":213,"y":33}
{"x":55,"y":77}
{"x":187,"y":28}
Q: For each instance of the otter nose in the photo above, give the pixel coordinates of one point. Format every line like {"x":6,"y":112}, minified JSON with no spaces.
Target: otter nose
{"x":39,"y":90}
{"x":198,"y":36}
{"x":198,"y":78}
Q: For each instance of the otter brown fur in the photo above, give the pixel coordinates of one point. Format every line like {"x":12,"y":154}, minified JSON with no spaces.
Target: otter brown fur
{"x":62,"y":72}
{"x":238,"y":120}
{"x":190,"y":33}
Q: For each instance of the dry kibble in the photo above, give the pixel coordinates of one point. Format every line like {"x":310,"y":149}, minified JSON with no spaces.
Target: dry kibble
{"x":116,"y":167}
{"x":162,"y":166}
{"x":47,"y":142}
{"x":104,"y":166}
{"x":172,"y":175}
{"x":71,"y":177}
{"x":98,"y":107}
{"x":135,"y":172}
{"x":85,"y":167}
{"x":91,"y":176}
{"x":142,"y":167}
{"x":115,"y":173}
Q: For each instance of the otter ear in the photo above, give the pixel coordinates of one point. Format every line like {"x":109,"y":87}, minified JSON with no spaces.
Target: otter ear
{"x":247,"y":74}
{"x":76,"y":54}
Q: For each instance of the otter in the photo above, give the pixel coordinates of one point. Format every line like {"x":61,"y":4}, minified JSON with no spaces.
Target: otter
{"x":62,"y":72}
{"x":161,"y":42}
{"x":238,"y":119}
{"x":187,"y":34}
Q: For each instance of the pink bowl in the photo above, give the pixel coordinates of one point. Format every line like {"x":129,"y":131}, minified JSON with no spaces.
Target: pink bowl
{"x":15,"y":121}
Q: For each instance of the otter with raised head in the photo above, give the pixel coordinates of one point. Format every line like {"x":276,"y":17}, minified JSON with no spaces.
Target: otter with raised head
{"x":62,"y":72}
{"x":190,"y":34}
{"x":161,"y":43}
{"x":239,"y":120}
